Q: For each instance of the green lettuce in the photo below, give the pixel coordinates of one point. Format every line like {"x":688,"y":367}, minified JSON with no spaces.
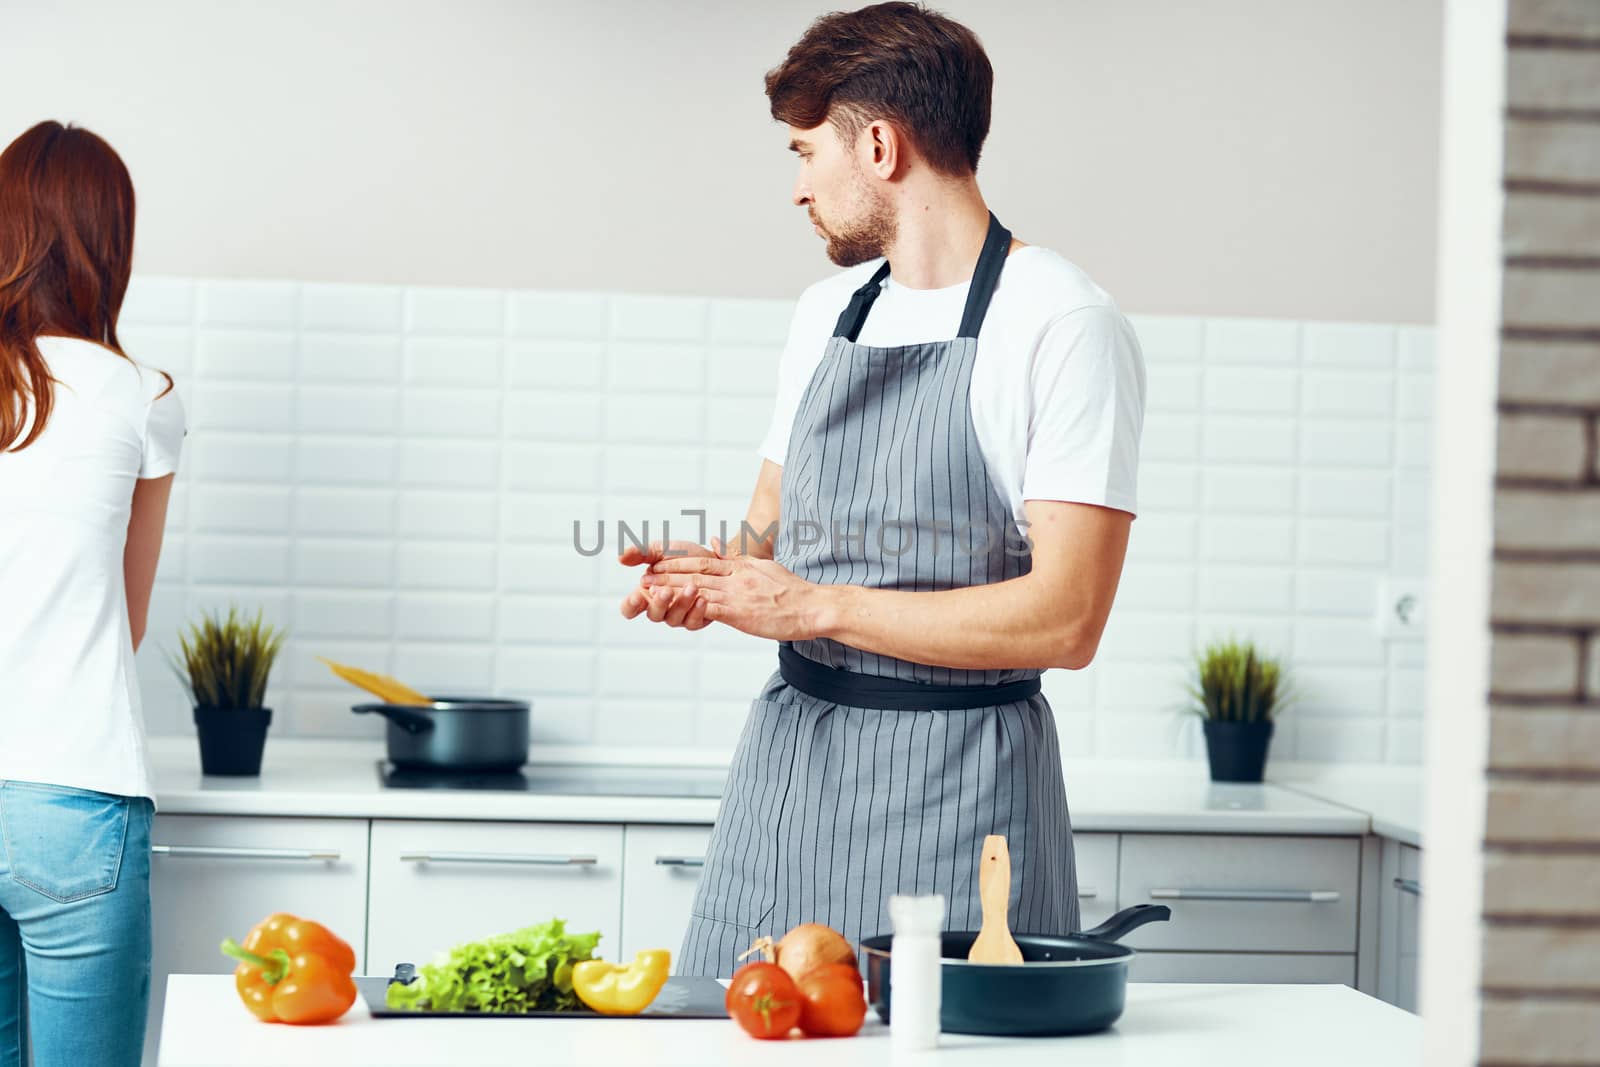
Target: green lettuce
{"x":526,"y":970}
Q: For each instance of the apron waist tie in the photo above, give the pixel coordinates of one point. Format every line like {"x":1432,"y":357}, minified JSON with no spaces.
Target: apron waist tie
{"x":870,"y":691}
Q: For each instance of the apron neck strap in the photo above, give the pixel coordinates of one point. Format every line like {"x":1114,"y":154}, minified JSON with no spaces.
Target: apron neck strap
{"x":996,"y":246}
{"x":854,"y":315}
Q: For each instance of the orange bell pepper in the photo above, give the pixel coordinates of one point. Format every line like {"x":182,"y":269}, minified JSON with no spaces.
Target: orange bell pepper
{"x":293,"y":971}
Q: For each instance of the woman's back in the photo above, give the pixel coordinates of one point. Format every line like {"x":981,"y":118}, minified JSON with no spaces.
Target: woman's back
{"x":69,"y":701}
{"x":89,"y":442}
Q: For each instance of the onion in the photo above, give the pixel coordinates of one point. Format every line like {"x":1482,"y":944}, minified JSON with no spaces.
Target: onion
{"x":805,"y":948}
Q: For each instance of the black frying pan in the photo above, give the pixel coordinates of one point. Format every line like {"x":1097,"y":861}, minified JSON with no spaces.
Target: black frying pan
{"x":1065,"y":984}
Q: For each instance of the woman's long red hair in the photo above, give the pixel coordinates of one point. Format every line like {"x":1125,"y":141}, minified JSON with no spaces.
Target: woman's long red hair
{"x":66,"y":251}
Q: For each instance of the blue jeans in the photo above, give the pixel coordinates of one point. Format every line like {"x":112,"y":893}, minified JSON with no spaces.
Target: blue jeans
{"x":74,"y":926}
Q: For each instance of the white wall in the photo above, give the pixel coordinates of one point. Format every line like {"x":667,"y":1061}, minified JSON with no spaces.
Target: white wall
{"x":1471,"y":205}
{"x":393,"y":474}
{"x":1235,"y":157}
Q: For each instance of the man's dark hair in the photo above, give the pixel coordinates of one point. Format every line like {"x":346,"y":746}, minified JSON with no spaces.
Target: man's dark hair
{"x":924,"y":72}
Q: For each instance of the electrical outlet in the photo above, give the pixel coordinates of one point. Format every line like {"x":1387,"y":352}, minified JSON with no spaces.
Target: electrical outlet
{"x":1402,"y":609}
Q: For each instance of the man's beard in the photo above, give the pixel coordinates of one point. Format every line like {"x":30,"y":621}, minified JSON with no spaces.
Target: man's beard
{"x":866,"y":237}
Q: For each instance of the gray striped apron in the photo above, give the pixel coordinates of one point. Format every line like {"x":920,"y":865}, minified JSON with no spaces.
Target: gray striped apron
{"x":860,"y":775}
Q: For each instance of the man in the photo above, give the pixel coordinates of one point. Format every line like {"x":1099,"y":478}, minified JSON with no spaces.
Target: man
{"x":992,"y":389}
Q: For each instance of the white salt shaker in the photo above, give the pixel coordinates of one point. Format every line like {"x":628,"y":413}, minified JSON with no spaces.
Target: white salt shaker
{"x":915,"y":973}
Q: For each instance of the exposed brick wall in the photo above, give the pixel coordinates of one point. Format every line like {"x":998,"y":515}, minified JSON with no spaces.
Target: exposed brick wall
{"x":1541,"y":939}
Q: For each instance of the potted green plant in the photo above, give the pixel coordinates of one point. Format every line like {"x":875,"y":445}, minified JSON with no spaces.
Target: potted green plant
{"x":224,"y":667}
{"x":1237,"y":691}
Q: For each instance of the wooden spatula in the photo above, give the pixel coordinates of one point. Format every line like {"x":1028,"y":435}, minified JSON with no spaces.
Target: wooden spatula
{"x":994,"y":943}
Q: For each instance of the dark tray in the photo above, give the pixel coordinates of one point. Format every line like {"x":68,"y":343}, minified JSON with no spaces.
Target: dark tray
{"x":680,"y":998}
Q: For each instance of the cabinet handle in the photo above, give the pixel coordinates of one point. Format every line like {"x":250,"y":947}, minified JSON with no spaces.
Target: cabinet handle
{"x":1087,"y":893}
{"x":1409,"y":885}
{"x":207,"y":852}
{"x":680,"y":861}
{"x":498,"y":857}
{"x":1289,"y":896}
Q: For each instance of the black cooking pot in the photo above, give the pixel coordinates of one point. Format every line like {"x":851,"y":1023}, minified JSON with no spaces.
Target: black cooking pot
{"x":455,"y":734}
{"x":1065,"y":984}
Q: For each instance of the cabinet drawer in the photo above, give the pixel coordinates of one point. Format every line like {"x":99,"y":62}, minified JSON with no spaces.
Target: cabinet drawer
{"x":436,"y":884}
{"x":663,"y":865}
{"x":1096,"y":855}
{"x":1244,"y":894}
{"x":213,"y":877}
{"x":1259,"y":967}
{"x":1407,"y":895}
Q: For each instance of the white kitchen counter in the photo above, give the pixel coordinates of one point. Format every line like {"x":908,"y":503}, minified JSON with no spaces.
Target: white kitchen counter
{"x":1391,"y":795}
{"x":1180,"y":1025}
{"x":340,"y":779}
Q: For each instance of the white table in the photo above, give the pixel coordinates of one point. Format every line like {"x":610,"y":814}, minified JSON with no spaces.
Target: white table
{"x":1181,"y":1025}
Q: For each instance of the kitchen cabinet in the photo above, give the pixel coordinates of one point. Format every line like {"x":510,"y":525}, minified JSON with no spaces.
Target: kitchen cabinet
{"x":436,"y":884}
{"x":1244,"y":908}
{"x":662,"y":865}
{"x":213,"y":877}
{"x":1237,"y":893}
{"x":1096,"y":855}
{"x":1399,"y":924}
{"x":1252,"y":967}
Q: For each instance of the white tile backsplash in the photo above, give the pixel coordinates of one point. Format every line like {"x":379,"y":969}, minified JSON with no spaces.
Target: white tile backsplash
{"x":240,"y":509}
{"x":457,"y":312}
{"x":1334,"y":592}
{"x":1259,"y":439}
{"x":344,"y":564}
{"x":155,"y":301}
{"x":245,"y":303}
{"x":1171,"y":388}
{"x":357,"y":308}
{"x":1227,"y":539}
{"x":1331,"y":392}
{"x":453,"y":363}
{"x":561,"y":315}
{"x":1266,"y":390}
{"x":393,"y":474}
{"x":1418,"y":348}
{"x":1270,"y":342}
{"x":356,"y":358}
{"x":1341,"y":443}
{"x":1349,"y":344}
{"x":1344,"y":493}
{"x":247,"y":355}
{"x":644,"y":366}
{"x":342,"y":409}
{"x":1347,"y":541}
{"x":1170,"y":338}
{"x":658,"y":318}
{"x":755,"y":322}
{"x":344,"y":512}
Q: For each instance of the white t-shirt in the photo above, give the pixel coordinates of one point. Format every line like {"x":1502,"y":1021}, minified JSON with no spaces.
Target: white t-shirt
{"x":1058,"y":384}
{"x":69,"y":698}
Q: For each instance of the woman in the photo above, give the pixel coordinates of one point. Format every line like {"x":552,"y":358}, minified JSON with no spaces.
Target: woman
{"x":89,"y":441}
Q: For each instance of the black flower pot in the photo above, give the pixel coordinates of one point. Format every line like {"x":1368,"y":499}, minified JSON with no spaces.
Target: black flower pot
{"x":1237,"y":750}
{"x":231,"y":739}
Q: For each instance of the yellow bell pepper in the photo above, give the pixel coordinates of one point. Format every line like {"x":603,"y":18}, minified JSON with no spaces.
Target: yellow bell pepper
{"x":622,"y":988}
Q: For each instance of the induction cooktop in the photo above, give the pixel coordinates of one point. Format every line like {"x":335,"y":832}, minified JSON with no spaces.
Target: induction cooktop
{"x":564,"y":780}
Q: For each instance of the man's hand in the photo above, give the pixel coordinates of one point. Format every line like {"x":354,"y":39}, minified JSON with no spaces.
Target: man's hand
{"x":675,"y":607}
{"x":756,"y":596}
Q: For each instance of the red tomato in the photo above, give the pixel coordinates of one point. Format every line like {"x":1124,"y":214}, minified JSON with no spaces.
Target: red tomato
{"x":831,"y":1003}
{"x":763,"y":1000}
